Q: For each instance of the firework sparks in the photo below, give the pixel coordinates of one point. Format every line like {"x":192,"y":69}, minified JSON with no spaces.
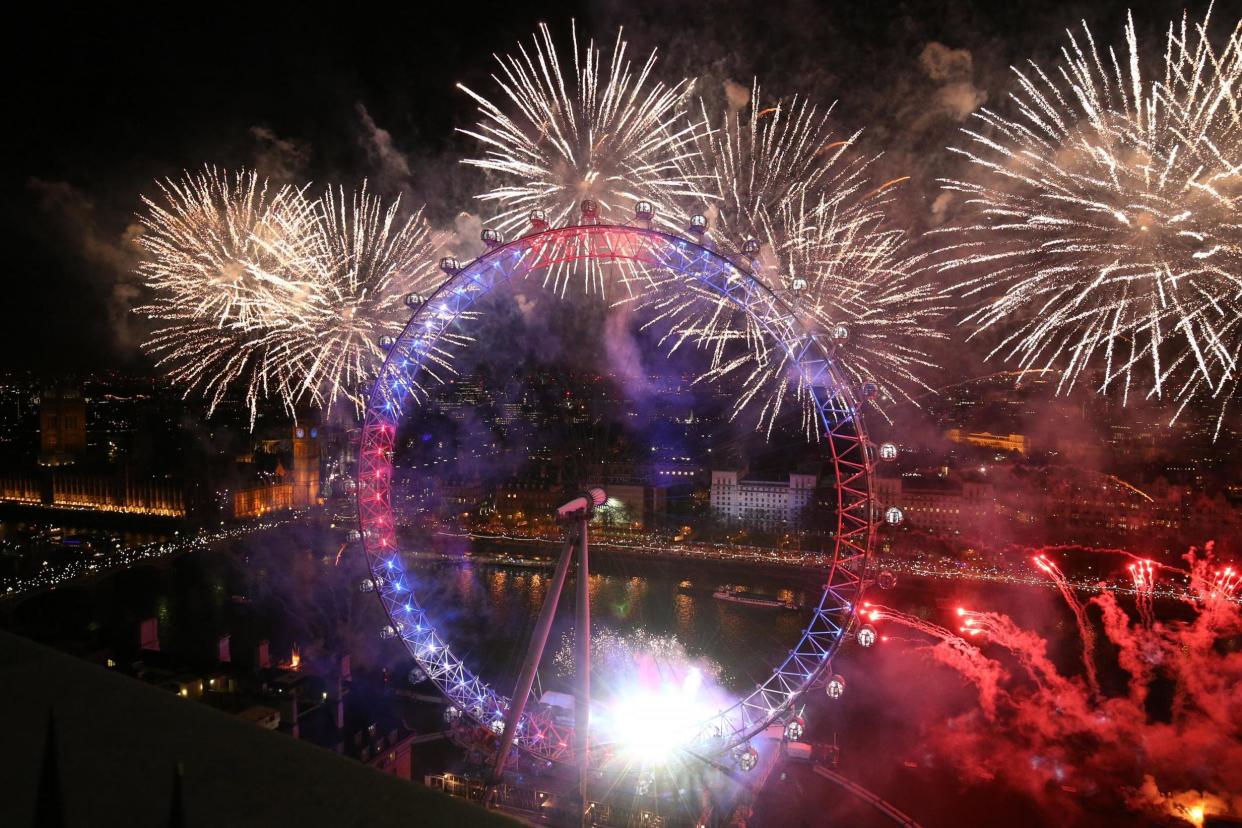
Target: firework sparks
{"x":782,"y":183}
{"x":368,"y":262}
{"x":1085,"y":633}
{"x":226,"y":260}
{"x":273,"y":293}
{"x":793,"y":206}
{"x":847,"y":281}
{"x":878,"y":612}
{"x":751,"y":165}
{"x":1143,"y":575}
{"x":854,"y":282}
{"x":306,"y":327}
{"x":617,"y":655}
{"x":1213,"y":586}
{"x":1225,"y":584}
{"x":608,"y":134}
{"x":1106,"y":216}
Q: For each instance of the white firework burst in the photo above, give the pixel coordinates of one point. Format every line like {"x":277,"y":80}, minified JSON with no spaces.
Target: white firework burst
{"x":601,"y":131}
{"x":264,"y":292}
{"x":853,"y":280}
{"x":370,"y":266}
{"x":1102,"y":232}
{"x":755,"y":160}
{"x":227,"y":261}
{"x":794,"y":205}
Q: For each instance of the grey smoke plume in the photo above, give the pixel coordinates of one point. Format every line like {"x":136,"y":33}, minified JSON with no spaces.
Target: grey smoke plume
{"x":113,"y":256}
{"x":277,"y":158}
{"x":392,"y":167}
{"x":737,"y":95}
{"x":954,"y":70}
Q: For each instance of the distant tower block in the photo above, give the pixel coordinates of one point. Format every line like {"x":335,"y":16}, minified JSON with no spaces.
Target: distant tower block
{"x":305,"y":472}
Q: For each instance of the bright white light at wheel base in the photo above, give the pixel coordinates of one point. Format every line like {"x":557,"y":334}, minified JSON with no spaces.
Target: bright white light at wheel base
{"x":651,"y":726}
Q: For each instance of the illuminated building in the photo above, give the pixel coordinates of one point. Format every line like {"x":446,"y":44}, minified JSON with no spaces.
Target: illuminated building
{"x":294,"y":488}
{"x":20,"y":489}
{"x":103,"y":493}
{"x":528,"y":497}
{"x":677,"y":472}
{"x":631,"y":503}
{"x":304,"y":474}
{"x":638,"y":500}
{"x":390,"y":753}
{"x":96,"y":493}
{"x":62,"y":426}
{"x":734,"y":497}
{"x":983,"y":439}
{"x":458,"y":496}
{"x":937,"y":504}
{"x":463,"y":398}
{"x":1098,"y":511}
{"x":257,"y":501}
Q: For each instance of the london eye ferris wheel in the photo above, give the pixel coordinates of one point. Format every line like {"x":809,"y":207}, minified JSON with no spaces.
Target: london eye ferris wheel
{"x":661,"y":264}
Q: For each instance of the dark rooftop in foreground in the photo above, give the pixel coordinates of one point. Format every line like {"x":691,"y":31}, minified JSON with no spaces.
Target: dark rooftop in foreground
{"x":119,"y":741}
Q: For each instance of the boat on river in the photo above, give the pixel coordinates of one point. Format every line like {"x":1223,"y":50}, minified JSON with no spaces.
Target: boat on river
{"x":738,"y":595}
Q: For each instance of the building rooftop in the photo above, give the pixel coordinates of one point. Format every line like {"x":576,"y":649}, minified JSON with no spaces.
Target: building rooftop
{"x":118,"y":741}
{"x":925,"y":483}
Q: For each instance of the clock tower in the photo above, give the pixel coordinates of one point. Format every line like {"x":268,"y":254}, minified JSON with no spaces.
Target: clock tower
{"x":304,"y":473}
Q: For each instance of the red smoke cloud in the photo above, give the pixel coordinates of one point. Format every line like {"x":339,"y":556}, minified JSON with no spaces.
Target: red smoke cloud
{"x":1167,"y":741}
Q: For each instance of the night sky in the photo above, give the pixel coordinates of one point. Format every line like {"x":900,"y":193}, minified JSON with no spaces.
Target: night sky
{"x":104,"y":102}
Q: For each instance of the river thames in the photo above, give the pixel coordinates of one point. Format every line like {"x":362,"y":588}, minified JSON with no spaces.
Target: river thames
{"x":298,"y":584}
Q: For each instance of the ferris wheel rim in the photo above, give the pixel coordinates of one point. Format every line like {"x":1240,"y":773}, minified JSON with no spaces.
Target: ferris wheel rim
{"x":840,"y":416}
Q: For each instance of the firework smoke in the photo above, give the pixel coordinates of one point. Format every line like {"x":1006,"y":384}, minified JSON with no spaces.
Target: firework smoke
{"x":1038,"y":729}
{"x":952,"y":650}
